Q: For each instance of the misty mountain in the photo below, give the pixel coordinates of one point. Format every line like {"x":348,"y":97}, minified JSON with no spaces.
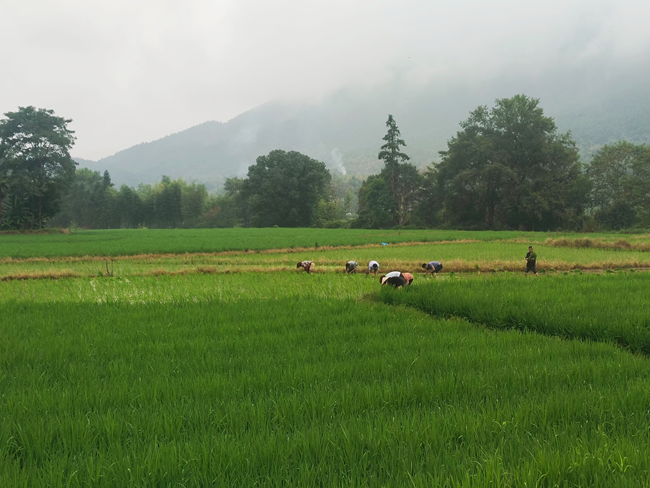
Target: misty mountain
{"x":598,"y":104}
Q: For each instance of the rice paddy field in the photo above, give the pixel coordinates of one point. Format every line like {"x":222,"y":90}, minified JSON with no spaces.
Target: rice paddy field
{"x":222,"y":365}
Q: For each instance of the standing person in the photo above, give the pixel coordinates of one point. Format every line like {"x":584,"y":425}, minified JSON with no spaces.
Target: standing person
{"x":432,"y":267}
{"x":306,"y":265}
{"x":351,"y":267}
{"x":531,"y":261}
{"x":408,"y":277}
{"x":394,"y":279}
{"x":373,"y":267}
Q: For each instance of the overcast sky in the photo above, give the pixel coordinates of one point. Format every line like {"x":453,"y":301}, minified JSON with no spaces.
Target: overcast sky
{"x":130,"y":71}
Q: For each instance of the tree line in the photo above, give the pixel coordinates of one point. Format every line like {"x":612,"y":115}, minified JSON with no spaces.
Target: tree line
{"x":507,"y":168}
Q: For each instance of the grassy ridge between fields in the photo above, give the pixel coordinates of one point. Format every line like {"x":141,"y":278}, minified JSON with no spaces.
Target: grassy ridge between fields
{"x":610,"y":307}
{"x":311,"y":392}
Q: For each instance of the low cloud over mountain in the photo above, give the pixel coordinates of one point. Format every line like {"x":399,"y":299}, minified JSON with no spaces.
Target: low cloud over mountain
{"x":599,"y":103}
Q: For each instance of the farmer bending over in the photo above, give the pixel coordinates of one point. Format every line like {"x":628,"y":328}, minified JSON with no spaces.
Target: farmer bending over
{"x":351,"y":267}
{"x":394,"y":279}
{"x":408,"y":277}
{"x":306,"y":265}
{"x":531,"y":261}
{"x":373,"y":267}
{"x":432,"y":267}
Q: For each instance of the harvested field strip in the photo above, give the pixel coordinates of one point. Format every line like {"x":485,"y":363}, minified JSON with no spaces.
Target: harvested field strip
{"x":47,"y":275}
{"x":608,"y":308}
{"x":586,"y":243}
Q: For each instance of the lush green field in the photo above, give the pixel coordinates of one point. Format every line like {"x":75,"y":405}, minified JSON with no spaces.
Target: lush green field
{"x":177,"y":241}
{"x":611,"y":307}
{"x":250,"y":373}
{"x":149,"y":241}
{"x":298,"y":389}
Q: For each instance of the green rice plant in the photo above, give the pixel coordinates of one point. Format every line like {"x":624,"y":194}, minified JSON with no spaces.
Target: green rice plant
{"x":178,"y":241}
{"x":610,"y":308}
{"x":304,"y":391}
{"x":234,"y":369}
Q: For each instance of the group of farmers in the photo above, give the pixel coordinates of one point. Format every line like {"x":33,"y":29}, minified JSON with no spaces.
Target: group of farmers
{"x":396,"y":279}
{"x":399,"y":279}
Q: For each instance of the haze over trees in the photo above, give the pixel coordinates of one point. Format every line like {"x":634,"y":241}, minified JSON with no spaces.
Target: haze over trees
{"x":342,"y":129}
{"x":620,"y":196}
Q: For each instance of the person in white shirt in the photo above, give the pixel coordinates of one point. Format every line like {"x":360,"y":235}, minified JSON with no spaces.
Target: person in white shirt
{"x":373,"y":267}
{"x":306,"y":265}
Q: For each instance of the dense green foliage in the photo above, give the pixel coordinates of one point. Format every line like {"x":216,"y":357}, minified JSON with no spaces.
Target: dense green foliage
{"x":621,"y":177}
{"x":283,"y":189}
{"x":35,"y":166}
{"x":270,"y":379}
{"x":509,"y":168}
{"x":387,"y":199}
{"x":94,"y":203}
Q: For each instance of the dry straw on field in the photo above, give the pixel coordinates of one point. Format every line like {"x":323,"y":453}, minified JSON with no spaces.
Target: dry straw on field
{"x":583,"y":243}
{"x":45,"y":275}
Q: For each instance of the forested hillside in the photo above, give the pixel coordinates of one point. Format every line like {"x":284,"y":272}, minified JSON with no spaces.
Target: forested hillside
{"x":344,"y":130}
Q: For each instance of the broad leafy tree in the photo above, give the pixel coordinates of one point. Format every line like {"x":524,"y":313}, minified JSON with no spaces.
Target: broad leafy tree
{"x":36,"y":169}
{"x":283,"y":189}
{"x":620,"y":177}
{"x":509,"y":168}
{"x":377,"y":207}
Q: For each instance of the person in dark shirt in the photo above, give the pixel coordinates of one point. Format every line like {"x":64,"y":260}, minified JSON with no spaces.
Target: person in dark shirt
{"x":306,"y":265}
{"x":432,"y":266}
{"x":351,"y":267}
{"x":531,"y":261}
